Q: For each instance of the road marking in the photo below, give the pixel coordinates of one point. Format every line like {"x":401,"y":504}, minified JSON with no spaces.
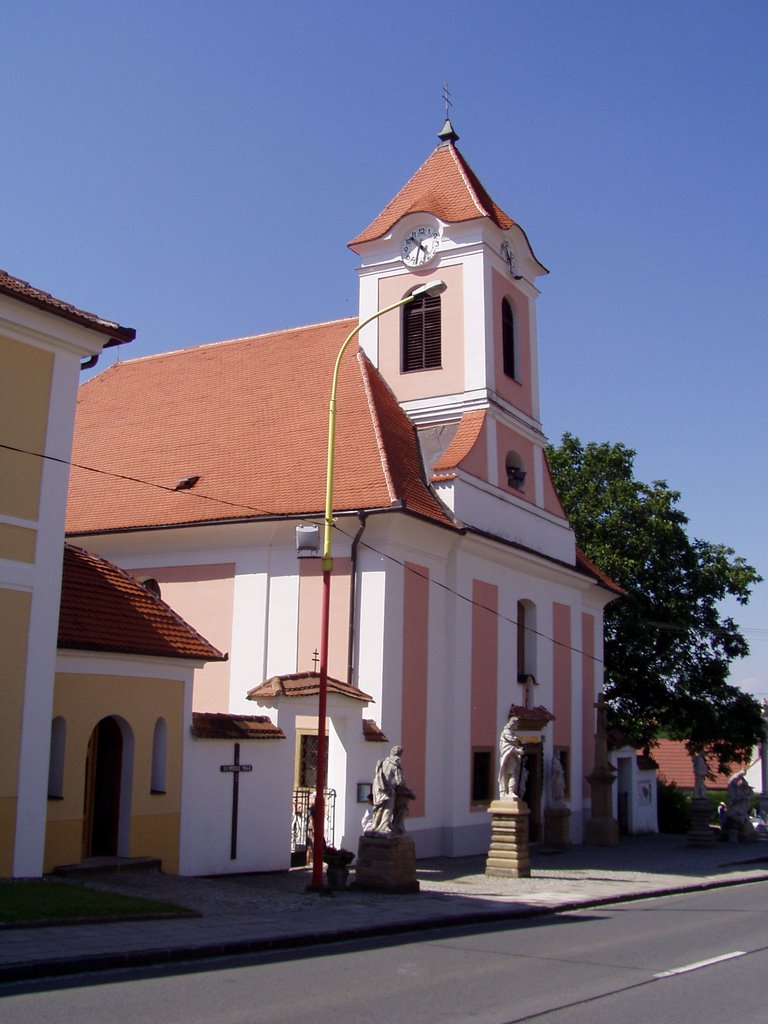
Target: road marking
{"x":701,"y":963}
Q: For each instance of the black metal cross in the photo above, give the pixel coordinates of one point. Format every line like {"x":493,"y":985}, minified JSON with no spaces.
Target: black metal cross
{"x":315,"y":659}
{"x":235,"y":769}
{"x":447,"y":98}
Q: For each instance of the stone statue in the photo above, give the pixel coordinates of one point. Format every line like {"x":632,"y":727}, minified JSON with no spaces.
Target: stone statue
{"x":510,"y":760}
{"x":739,"y":794}
{"x":390,"y":795}
{"x":557,"y":782}
{"x":699,"y":776}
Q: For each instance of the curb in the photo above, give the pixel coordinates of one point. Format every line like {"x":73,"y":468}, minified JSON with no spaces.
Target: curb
{"x":35,"y":970}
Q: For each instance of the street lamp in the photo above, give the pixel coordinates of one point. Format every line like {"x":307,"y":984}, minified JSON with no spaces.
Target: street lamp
{"x":431,"y":288}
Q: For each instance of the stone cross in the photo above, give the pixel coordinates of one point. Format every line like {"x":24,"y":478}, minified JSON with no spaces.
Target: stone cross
{"x":235,"y":769}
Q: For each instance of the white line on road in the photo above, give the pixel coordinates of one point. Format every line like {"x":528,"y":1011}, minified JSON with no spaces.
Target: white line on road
{"x":701,"y":963}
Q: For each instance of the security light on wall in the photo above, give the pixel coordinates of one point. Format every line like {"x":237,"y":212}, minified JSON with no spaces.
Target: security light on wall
{"x":307,"y":541}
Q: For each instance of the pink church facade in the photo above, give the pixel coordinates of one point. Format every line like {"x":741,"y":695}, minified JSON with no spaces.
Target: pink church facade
{"x":457,"y":589}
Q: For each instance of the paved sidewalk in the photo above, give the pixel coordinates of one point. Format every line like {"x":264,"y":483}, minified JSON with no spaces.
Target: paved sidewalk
{"x":248,"y":913}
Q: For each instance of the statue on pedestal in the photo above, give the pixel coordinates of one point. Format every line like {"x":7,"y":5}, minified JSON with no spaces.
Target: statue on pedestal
{"x":739,"y":796}
{"x":510,"y":761}
{"x":390,"y":795}
{"x":557,"y":782}
{"x":699,"y":776}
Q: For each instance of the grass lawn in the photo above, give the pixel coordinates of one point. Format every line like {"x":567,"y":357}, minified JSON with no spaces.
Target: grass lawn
{"x":41,"y":900}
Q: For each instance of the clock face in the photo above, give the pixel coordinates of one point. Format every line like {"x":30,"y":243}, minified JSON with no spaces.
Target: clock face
{"x":420,"y":245}
{"x":507,"y":254}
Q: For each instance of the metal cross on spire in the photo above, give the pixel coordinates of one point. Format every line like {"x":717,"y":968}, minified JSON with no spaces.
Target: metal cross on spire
{"x":447,"y":134}
{"x":448,"y":102}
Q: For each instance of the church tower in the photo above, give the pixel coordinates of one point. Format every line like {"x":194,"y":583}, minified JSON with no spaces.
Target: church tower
{"x":464,"y":365}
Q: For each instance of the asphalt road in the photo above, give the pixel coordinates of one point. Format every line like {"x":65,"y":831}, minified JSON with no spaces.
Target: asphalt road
{"x":699,"y":956}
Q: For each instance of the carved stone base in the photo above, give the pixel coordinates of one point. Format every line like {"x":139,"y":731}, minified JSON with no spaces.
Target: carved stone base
{"x":557,"y":827}
{"x":386,"y":864}
{"x":508,"y":854}
{"x":700,"y":833}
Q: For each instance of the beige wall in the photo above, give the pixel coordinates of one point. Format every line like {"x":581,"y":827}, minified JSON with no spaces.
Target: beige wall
{"x":14,"y":628}
{"x":82,"y":701}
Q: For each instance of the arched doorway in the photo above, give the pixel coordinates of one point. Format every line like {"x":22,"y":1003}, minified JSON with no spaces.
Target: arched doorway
{"x":103,"y":777}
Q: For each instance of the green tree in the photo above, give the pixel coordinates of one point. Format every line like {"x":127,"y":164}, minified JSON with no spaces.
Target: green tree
{"x":668,"y":648}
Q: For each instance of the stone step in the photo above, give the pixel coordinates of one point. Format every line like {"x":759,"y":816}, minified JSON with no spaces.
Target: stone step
{"x":109,"y":865}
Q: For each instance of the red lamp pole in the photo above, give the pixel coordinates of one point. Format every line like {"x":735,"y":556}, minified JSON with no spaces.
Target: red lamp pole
{"x":318,"y":816}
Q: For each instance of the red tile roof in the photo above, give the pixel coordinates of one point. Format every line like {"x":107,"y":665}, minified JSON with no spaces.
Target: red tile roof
{"x":103,"y":608}
{"x":214,"y":726}
{"x":304,"y":684}
{"x":372,"y":733}
{"x":444,"y":185}
{"x":590,"y":569}
{"x":249,"y":419}
{"x":675,"y":766}
{"x":463,"y":442}
{"x":25,"y":292}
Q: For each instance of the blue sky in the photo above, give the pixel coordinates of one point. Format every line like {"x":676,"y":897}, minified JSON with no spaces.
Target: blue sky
{"x":196,"y":170}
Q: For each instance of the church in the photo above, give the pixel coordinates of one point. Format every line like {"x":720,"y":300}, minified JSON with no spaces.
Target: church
{"x":457,"y":594}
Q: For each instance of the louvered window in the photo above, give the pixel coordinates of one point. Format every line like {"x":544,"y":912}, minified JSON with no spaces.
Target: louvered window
{"x":421,"y":334}
{"x":508,"y":338}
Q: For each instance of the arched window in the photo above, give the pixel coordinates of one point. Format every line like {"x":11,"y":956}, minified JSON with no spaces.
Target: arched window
{"x":159,"y":750}
{"x":508,"y":338}
{"x":422,"y":334}
{"x":56,"y":761}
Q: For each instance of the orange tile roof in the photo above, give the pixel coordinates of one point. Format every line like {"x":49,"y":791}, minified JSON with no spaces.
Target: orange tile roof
{"x":220,"y":726}
{"x":25,"y":292}
{"x":103,"y":608}
{"x":675,"y":765}
{"x":463,"y":442}
{"x":304,"y":684}
{"x":444,"y":185}
{"x":249,"y":418}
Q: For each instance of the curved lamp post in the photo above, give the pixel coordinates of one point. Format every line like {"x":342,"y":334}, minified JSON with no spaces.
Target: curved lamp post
{"x":429,"y":289}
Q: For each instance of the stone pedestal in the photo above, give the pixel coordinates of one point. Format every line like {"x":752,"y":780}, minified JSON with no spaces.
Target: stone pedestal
{"x":602,"y":829}
{"x":700,"y":833}
{"x":386,"y":863}
{"x":557,"y":826}
{"x":508,"y":854}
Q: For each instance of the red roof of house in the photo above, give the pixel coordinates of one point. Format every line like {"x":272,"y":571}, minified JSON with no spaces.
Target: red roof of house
{"x":249,"y":418}
{"x":210,"y":725}
{"x":103,"y":608}
{"x":444,"y":185}
{"x":304,"y":684}
{"x":25,"y":292}
{"x":675,"y":765}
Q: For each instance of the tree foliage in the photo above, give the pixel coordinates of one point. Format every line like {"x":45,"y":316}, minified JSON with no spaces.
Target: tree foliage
{"x":668,"y":648}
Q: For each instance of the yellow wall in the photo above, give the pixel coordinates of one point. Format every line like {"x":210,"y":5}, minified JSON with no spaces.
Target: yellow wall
{"x":25,"y":387}
{"x":82,"y":701}
{"x":14,"y":628}
{"x":17,"y":543}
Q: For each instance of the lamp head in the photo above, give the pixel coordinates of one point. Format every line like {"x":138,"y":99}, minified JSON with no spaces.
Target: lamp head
{"x":430,"y":289}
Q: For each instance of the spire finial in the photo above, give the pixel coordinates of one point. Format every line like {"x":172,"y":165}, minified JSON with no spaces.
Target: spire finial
{"x":447,"y":133}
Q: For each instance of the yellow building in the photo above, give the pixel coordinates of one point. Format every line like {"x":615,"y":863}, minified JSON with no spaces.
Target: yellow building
{"x":43,"y":342}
